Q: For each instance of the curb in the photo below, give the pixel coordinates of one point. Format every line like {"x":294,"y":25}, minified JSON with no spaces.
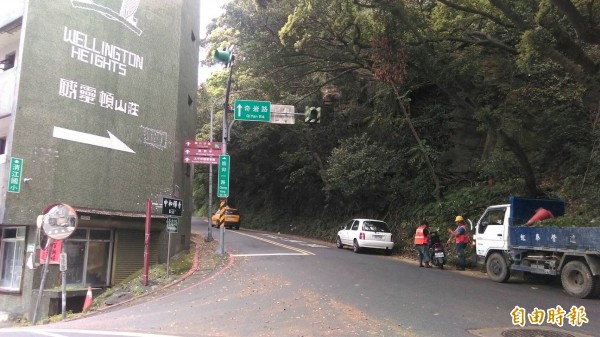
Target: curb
{"x":193,"y":269}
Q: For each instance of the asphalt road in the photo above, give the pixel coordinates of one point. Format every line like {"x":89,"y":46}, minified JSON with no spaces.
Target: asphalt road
{"x":275,"y":285}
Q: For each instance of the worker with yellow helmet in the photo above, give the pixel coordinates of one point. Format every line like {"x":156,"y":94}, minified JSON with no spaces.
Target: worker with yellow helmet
{"x":461,"y":236}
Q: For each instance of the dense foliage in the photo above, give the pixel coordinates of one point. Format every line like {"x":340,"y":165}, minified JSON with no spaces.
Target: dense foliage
{"x":430,"y":109}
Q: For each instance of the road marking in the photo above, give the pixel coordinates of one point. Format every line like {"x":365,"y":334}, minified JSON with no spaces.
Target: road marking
{"x":313,"y":245}
{"x":60,"y":332}
{"x":274,"y":254}
{"x":300,"y":251}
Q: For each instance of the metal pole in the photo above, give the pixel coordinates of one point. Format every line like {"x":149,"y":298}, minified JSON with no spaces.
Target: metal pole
{"x":209,"y":236}
{"x":168,"y":254}
{"x":49,"y":246}
{"x":63,"y":274}
{"x":64,"y":294}
{"x":221,"y":249}
{"x":147,"y":241}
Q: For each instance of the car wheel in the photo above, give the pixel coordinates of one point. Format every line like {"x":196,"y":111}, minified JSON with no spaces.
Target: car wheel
{"x":388,"y":252}
{"x":355,"y":246}
{"x":237,"y":227}
{"x":338,"y":243}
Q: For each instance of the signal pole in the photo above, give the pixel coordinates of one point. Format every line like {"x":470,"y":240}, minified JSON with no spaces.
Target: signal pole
{"x":228,"y":58}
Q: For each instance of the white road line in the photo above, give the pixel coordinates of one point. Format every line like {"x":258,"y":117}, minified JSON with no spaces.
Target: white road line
{"x":301,"y":251}
{"x":61,"y":332}
{"x":300,"y":242}
{"x":273,"y":254}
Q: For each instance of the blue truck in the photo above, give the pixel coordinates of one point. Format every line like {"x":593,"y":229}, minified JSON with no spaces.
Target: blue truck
{"x":504,"y":244}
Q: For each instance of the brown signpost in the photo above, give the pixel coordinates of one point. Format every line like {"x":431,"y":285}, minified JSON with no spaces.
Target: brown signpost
{"x":201,"y":159}
{"x":201,"y":144}
{"x":201,"y":152}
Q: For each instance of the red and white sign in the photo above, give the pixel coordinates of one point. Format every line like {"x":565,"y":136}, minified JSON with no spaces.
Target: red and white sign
{"x":201,"y":152}
{"x":201,"y":159}
{"x":54,"y":253}
{"x":200,"y":144}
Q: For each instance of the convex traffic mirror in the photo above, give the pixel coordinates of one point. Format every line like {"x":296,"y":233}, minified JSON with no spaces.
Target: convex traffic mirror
{"x":59,"y":221}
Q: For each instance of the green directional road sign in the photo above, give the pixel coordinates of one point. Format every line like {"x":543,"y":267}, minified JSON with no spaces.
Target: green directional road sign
{"x":255,"y":111}
{"x":172,"y":224}
{"x":14,"y":180}
{"x":223,"y":188}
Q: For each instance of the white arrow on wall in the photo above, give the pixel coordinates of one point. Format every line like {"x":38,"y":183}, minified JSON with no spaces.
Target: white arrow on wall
{"x":110,"y":142}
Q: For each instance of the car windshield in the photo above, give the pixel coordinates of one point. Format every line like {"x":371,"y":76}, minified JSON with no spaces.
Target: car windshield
{"x":376,"y":226}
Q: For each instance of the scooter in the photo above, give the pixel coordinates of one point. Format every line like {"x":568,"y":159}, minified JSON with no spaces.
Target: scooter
{"x":436,"y":250}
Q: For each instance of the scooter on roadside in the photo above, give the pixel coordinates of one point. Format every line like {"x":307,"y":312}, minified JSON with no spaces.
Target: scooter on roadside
{"x":437,"y":255}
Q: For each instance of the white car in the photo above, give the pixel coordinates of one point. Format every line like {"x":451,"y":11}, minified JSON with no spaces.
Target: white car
{"x":365,"y":233}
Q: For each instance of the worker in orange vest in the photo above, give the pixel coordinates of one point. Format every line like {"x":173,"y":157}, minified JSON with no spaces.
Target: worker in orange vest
{"x":461,"y":235}
{"x":422,"y":243}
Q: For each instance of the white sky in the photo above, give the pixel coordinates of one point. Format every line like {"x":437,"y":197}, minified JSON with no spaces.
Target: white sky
{"x":12,"y":9}
{"x":209,"y":9}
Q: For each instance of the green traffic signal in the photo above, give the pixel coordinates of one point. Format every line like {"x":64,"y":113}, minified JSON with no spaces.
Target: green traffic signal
{"x":224,"y":56}
{"x":312,"y":114}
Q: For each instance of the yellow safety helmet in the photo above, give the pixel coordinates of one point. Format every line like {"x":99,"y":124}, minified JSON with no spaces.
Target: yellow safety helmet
{"x":459,"y":218}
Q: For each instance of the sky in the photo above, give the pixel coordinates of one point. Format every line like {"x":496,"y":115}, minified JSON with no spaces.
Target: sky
{"x":209,"y":9}
{"x":12,"y":9}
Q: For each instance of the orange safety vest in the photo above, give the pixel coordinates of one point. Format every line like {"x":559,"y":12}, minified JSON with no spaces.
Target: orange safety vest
{"x":462,"y":238}
{"x":420,"y":238}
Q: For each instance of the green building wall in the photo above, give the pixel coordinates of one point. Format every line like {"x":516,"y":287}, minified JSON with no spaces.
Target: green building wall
{"x":79,"y":60}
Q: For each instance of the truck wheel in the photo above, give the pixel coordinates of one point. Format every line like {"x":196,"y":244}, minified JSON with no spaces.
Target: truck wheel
{"x":577,"y":279}
{"x":497,"y":268}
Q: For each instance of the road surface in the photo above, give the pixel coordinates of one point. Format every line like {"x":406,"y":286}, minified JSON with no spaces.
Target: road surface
{"x":276,"y":285}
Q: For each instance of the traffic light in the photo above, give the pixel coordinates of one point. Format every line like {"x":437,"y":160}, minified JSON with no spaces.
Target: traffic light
{"x":312,"y":114}
{"x":224,"y":56}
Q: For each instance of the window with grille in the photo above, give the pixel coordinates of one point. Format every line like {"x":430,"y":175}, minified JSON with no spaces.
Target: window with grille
{"x":12,"y":251}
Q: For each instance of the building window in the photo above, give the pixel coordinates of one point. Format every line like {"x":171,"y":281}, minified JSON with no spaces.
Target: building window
{"x":8,"y":62}
{"x":88,"y":257}
{"x":2,"y":145}
{"x":12,"y":250}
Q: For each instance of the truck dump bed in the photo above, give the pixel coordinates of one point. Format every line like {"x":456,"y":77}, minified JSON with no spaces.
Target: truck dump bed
{"x":522,"y":209}
{"x":584,"y":239}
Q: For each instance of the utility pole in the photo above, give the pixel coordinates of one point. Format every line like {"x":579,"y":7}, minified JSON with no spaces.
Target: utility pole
{"x":227,"y":57}
{"x":209,"y":236}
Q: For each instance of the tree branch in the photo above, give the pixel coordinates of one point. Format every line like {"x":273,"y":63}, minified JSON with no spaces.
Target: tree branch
{"x":577,"y":20}
{"x":475,"y":11}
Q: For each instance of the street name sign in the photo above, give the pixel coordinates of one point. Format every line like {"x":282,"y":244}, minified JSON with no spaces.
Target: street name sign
{"x":172,"y":224}
{"x":200,"y":160}
{"x":282,"y":114}
{"x":223,"y":186}
{"x":14,"y":180}
{"x":254,"y":111}
{"x":171,"y":206}
{"x":202,"y":152}
{"x":201,"y":144}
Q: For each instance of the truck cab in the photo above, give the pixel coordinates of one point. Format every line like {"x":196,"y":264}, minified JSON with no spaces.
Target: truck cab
{"x":507,"y":241}
{"x":491,"y":232}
